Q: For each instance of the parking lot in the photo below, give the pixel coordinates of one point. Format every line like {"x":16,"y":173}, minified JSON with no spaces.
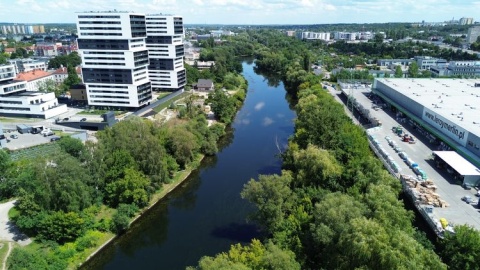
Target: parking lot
{"x":458,"y":211}
{"x":25,"y":140}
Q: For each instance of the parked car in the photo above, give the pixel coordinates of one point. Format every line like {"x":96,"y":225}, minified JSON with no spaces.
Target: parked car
{"x":66,"y":119}
{"x":48,"y":133}
{"x":83,"y":119}
{"x":14,"y":136}
{"x":54,"y":138}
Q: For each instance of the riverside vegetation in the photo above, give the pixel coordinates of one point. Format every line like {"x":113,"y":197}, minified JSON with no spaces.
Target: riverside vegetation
{"x":333,"y":206}
{"x":77,"y":197}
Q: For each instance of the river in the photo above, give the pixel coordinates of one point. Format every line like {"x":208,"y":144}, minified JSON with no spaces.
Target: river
{"x":205,"y":215}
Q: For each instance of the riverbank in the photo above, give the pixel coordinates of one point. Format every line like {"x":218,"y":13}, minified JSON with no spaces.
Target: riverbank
{"x":157,"y":197}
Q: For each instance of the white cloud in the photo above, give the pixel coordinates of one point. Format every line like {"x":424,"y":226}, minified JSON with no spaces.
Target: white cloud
{"x":259,"y":106}
{"x":267,"y":121}
{"x":250,"y":11}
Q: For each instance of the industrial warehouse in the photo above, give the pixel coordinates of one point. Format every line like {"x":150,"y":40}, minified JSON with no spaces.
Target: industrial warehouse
{"x":448,"y":109}
{"x":425,"y":132}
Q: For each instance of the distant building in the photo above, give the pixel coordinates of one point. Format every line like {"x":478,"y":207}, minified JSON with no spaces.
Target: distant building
{"x":473,"y":34}
{"x":61,"y":74}
{"x":426,"y":62}
{"x":78,"y":93}
{"x":393,"y":62}
{"x":290,"y":33}
{"x":27,"y":64}
{"x":219,"y":33}
{"x":16,"y":100}
{"x":34,"y":78}
{"x":314,"y":36}
{"x":200,"y":64}
{"x":466,"y":21}
{"x":204,"y":85}
{"x":345,"y":35}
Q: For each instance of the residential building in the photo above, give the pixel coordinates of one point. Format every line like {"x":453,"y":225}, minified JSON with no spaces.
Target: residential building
{"x":15,"y":100}
{"x":466,"y":21}
{"x":473,"y":34}
{"x":290,"y":33}
{"x":27,"y":64}
{"x":314,"y":36}
{"x":204,"y":85}
{"x":344,"y":35}
{"x":200,"y":64}
{"x":61,"y":74}
{"x":165,"y":51}
{"x":115,"y":58}
{"x":34,"y":78}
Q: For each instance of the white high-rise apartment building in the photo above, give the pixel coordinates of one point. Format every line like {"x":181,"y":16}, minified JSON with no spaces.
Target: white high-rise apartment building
{"x":165,"y":51}
{"x":115,"y":58}
{"x":473,"y":34}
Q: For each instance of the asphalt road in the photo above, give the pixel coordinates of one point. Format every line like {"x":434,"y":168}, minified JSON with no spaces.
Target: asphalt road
{"x":150,"y":107}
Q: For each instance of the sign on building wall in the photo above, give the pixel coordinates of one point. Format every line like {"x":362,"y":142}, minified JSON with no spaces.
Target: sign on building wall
{"x":445,"y":126}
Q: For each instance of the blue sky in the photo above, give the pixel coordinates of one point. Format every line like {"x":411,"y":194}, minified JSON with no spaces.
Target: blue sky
{"x":250,"y":11}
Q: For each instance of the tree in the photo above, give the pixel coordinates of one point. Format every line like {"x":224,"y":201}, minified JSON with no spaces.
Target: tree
{"x":272,"y":196}
{"x":50,"y":86}
{"x":72,"y":146}
{"x":254,"y":256}
{"x":461,"y":250}
{"x":398,"y":72}
{"x":72,"y":78}
{"x":61,"y":227}
{"x":223,"y":106}
{"x":378,"y":38}
{"x":413,"y":70}
{"x":131,"y":189}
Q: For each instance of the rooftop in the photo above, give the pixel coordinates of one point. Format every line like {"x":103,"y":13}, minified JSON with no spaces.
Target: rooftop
{"x":457,"y":100}
{"x":458,"y":163}
{"x":32,"y":75}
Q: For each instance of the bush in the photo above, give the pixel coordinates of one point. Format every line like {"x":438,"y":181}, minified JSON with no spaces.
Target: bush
{"x":120,"y":222}
{"x":89,"y":240}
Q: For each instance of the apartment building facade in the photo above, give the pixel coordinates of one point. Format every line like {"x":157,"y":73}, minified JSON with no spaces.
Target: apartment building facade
{"x":166,"y":52}
{"x":16,"y":100}
{"x":115,"y":58}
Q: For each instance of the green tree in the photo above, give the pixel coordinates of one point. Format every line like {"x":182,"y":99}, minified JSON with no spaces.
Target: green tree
{"x":223,"y":106}
{"x":413,"y":70}
{"x":273,"y":198}
{"x":50,"y":86}
{"x":72,"y":146}
{"x":254,"y":256}
{"x":398,"y":72}
{"x":61,"y":227}
{"x":461,"y":250}
{"x":131,"y":189}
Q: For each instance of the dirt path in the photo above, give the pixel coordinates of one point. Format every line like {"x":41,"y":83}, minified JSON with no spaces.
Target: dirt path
{"x":4,"y":263}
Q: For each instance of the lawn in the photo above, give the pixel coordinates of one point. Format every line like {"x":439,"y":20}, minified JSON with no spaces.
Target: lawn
{"x":163,"y":94}
{"x":99,"y":112}
{"x":166,"y":104}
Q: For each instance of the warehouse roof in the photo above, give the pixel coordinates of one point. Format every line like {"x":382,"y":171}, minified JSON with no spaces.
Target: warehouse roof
{"x":457,"y":162}
{"x":457,"y":100}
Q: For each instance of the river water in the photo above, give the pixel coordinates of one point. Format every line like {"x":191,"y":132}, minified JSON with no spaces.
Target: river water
{"x":205,"y":215}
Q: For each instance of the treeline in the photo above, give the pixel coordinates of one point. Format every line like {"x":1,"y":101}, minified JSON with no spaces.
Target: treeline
{"x":334,"y":206}
{"x":67,"y":199}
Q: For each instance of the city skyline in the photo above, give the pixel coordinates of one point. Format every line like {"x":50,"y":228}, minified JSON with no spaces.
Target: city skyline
{"x":250,"y":11}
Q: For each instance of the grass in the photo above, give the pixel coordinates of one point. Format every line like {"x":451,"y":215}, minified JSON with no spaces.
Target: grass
{"x":99,"y":112}
{"x":166,"y":104}
{"x":13,"y":213}
{"x":3,"y":251}
{"x":63,"y":134}
{"x":163,"y":94}
{"x":18,"y":119}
